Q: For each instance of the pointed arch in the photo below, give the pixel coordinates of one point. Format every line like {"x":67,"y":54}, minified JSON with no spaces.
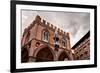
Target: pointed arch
{"x":63,"y":55}
{"x":44,"y":53}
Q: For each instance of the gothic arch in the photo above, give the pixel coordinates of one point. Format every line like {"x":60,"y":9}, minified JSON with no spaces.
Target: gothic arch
{"x":63,"y":55}
{"x":44,"y":53}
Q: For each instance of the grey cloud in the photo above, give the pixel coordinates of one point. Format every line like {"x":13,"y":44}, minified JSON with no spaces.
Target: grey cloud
{"x":71,"y":22}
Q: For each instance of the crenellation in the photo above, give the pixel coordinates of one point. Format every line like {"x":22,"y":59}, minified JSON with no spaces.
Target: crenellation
{"x":55,"y":28}
{"x":38,"y":19}
{"x":64,"y":33}
{"x":51,"y":26}
{"x":67,"y":35}
{"x":48,"y":24}
{"x":61,"y":31}
{"x":44,"y":21}
{"x":58,"y":30}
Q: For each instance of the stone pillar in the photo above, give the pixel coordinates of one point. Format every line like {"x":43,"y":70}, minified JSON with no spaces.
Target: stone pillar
{"x":31,"y":51}
{"x":71,"y":56}
{"x":69,"y":46}
{"x":30,"y":54}
{"x":32,"y":59}
{"x":56,"y":56}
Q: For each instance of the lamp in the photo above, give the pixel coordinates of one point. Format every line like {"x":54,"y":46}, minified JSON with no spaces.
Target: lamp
{"x":56,"y":39}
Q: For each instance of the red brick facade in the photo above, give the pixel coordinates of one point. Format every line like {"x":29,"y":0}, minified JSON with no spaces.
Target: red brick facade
{"x":38,"y":43}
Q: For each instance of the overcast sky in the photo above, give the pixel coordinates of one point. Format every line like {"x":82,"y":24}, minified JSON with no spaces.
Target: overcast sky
{"x":77,"y":24}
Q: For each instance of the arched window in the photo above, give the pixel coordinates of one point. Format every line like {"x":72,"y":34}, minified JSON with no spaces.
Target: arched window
{"x":45,"y":36}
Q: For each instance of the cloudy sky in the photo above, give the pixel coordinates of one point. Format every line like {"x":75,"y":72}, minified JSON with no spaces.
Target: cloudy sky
{"x":77,"y":24}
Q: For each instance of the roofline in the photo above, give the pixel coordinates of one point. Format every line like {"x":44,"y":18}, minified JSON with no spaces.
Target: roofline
{"x":81,"y":40}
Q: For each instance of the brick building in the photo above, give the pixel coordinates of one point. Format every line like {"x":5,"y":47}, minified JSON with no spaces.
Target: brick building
{"x":82,"y":48}
{"x":41,"y":41}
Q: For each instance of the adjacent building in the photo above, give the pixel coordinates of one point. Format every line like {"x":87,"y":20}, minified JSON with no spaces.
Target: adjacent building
{"x":82,"y":48}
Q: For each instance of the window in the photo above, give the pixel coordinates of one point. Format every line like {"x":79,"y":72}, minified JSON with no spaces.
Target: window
{"x":63,"y":43}
{"x":45,"y":36}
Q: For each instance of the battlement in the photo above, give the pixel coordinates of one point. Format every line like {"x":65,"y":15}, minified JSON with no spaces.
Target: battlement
{"x":44,"y":22}
{"x":38,"y":19}
{"x":48,"y":24}
{"x":67,"y":34}
{"x":25,"y":31}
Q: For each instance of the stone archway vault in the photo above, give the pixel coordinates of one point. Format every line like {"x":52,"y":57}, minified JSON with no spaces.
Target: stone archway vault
{"x":44,"y":53}
{"x":63,"y":56}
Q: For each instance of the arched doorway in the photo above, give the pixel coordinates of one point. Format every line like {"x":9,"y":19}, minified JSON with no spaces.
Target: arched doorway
{"x":24,"y":55}
{"x":63,"y":56}
{"x":44,"y":54}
